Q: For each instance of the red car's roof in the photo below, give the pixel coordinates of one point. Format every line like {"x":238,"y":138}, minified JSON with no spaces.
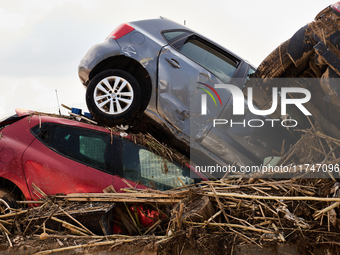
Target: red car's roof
{"x":45,"y":117}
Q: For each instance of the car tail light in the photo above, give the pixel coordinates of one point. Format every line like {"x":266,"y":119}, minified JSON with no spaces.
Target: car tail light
{"x":120,"y":31}
{"x":336,"y":7}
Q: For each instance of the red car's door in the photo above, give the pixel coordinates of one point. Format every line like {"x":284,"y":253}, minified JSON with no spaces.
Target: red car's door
{"x":65,"y":159}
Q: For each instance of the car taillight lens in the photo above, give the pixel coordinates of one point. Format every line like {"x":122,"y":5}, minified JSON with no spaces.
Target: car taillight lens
{"x":336,"y":7}
{"x":120,"y":31}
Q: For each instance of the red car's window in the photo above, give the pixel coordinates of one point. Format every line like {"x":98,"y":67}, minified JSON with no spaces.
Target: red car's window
{"x":122,"y":157}
{"x":143,"y":166}
{"x":86,"y":146}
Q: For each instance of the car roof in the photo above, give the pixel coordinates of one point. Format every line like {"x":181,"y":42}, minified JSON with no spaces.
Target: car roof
{"x":54,"y":118}
{"x":71,"y":121}
{"x":153,"y":28}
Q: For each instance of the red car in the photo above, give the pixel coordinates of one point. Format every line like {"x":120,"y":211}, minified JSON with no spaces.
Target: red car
{"x":62,"y":155}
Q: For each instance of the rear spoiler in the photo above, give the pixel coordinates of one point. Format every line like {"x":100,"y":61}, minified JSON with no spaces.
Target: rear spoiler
{"x":23,"y":112}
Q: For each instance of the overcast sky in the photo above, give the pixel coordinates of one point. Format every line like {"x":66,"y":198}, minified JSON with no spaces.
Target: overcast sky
{"x":42,"y":41}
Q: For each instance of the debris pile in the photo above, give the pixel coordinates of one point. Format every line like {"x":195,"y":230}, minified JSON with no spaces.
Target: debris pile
{"x":315,"y":153}
{"x":215,"y":214}
{"x":309,"y":60}
{"x":262,"y":210}
{"x":259,"y":209}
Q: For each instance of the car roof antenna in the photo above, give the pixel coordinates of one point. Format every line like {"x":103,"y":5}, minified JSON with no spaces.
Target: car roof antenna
{"x":56,"y":93}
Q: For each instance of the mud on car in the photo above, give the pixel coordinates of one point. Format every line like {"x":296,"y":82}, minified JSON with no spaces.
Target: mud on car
{"x":311,"y":56}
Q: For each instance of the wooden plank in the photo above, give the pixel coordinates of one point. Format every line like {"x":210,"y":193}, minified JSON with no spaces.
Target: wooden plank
{"x":119,"y":199}
{"x":324,"y":199}
{"x":123,"y":195}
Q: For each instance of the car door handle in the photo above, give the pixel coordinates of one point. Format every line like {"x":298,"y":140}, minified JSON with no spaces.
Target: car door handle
{"x":173,"y":62}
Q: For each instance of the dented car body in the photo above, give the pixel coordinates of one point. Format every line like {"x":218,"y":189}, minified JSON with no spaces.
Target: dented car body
{"x":162,"y":69}
{"x":61,"y":155}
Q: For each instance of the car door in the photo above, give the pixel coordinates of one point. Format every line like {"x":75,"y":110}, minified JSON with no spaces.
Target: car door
{"x":65,"y":159}
{"x":189,"y":67}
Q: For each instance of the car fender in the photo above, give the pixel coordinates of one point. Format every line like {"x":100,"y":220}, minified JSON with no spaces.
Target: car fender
{"x":95,"y":55}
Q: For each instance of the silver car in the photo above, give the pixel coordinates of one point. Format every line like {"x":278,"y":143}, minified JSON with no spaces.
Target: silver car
{"x":161,"y":69}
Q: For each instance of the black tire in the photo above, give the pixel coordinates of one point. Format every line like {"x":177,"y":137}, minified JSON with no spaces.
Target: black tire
{"x":275,"y":64}
{"x":7,"y":200}
{"x":114,"y":107}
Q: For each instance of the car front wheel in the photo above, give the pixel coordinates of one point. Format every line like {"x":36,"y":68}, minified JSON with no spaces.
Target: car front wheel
{"x":113,"y":97}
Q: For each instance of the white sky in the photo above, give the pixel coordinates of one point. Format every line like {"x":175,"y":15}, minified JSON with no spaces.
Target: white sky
{"x":42,"y":41}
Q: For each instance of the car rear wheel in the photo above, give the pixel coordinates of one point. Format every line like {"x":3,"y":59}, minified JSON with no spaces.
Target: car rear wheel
{"x":113,"y":97}
{"x":7,"y":201}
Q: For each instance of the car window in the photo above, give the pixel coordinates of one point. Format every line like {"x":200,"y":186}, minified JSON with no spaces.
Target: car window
{"x":147,"y":168}
{"x":213,"y":60}
{"x":250,"y":72}
{"x":175,"y":35}
{"x":85,"y":146}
